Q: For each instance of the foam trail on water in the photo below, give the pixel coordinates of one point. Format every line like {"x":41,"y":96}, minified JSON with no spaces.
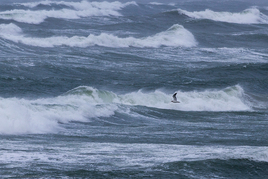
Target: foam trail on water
{"x":118,"y":155}
{"x":248,"y":16}
{"x":81,"y":9}
{"x":175,"y":36}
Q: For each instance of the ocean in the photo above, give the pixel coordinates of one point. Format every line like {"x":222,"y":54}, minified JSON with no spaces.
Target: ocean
{"x":86,"y":89}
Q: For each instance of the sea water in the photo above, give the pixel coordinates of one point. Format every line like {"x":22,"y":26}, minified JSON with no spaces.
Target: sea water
{"x":86,"y":89}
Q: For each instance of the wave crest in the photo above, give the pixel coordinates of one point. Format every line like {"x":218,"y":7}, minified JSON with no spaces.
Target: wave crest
{"x":19,"y":116}
{"x":175,"y":36}
{"x":248,"y":16}
{"x":229,"y":99}
{"x":84,"y":102}
{"x":83,"y":5}
{"x":80,"y":9}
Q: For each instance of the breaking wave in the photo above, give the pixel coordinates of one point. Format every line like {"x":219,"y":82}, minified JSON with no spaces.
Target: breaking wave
{"x":83,"y":103}
{"x":248,"y":16}
{"x":82,"y":5}
{"x":43,"y":115}
{"x":175,"y":36}
{"x":229,"y":99}
{"x":79,"y":10}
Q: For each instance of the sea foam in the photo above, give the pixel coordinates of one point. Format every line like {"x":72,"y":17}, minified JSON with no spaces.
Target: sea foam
{"x":19,"y":116}
{"x":248,"y":16}
{"x":82,"y":5}
{"x":175,"y":36}
{"x":229,"y":99}
{"x":77,"y":10}
{"x":84,"y":103}
{"x":111,"y":156}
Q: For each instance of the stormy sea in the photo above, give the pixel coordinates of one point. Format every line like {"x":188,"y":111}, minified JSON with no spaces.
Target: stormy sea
{"x":86,"y":89}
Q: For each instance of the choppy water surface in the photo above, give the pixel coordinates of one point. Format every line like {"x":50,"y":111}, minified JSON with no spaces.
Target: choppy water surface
{"x":86,"y":89}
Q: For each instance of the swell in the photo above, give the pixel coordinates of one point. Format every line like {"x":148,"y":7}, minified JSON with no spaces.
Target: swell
{"x":248,"y":16}
{"x":252,"y":36}
{"x":70,"y":10}
{"x":80,"y":5}
{"x":216,"y":168}
{"x":175,"y":36}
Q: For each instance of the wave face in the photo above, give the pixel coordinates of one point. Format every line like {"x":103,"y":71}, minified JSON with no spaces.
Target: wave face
{"x":43,"y":115}
{"x":78,"y":10}
{"x":84,"y":103}
{"x":248,"y":16}
{"x":175,"y":36}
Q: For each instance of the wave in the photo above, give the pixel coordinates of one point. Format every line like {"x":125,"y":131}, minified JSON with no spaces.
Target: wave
{"x":229,"y":99}
{"x":84,"y":103}
{"x":175,"y":36}
{"x":248,"y":16}
{"x":80,"y":9}
{"x":161,"y":4}
{"x":82,"y":5}
{"x":20,"y":116}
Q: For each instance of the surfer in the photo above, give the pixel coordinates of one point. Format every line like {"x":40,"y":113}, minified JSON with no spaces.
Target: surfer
{"x":175,"y":98}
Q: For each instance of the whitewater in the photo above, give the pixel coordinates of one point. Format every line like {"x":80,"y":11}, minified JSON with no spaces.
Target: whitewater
{"x":14,"y":33}
{"x":81,"y":9}
{"x":86,"y":89}
{"x":84,"y":103}
{"x":247,"y":16}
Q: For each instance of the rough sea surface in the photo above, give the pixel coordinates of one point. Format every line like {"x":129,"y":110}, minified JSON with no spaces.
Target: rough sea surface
{"x":86,"y":89}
